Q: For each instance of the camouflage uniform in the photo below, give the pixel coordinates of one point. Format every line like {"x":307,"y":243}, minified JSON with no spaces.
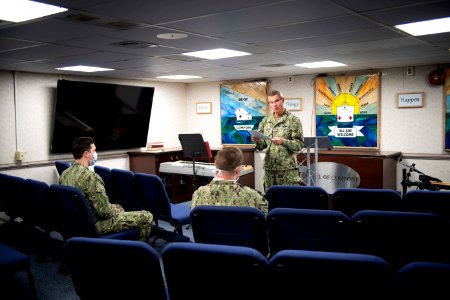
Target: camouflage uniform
{"x":107,"y":217}
{"x":228,"y":193}
{"x":280,"y":163}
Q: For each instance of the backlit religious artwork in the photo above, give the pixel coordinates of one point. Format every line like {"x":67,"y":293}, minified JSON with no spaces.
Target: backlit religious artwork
{"x":347,"y":110}
{"x":242,"y":108}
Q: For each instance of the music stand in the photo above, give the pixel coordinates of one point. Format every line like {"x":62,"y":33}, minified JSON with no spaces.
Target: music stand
{"x":318,"y":142}
{"x":193,"y":146}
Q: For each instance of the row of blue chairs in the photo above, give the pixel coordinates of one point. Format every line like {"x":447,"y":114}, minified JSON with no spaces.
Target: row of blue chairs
{"x":398,"y":237}
{"x":117,"y":269}
{"x":352,"y":200}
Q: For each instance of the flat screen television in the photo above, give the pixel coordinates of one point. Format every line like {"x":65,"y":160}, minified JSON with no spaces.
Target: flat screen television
{"x":116,"y":116}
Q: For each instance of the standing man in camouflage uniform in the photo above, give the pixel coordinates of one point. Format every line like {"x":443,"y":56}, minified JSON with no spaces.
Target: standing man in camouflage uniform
{"x":286,"y":132}
{"x":107,"y":217}
{"x":224,"y":190}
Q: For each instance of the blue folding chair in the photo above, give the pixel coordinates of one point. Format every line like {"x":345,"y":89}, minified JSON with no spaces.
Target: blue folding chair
{"x":76,"y":217}
{"x":114,"y":269}
{"x":309,"y":197}
{"x":105,"y":174}
{"x":306,"y":229}
{"x":399,"y":237}
{"x":13,"y":261}
{"x":352,"y":200}
{"x":230,"y":225}
{"x":61,"y":166}
{"x":296,"y":274}
{"x":221,"y":272}
{"x":154,"y":199}
{"x":125,"y":187}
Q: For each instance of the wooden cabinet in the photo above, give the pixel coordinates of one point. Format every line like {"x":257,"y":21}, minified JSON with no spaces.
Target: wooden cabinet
{"x":180,"y":187}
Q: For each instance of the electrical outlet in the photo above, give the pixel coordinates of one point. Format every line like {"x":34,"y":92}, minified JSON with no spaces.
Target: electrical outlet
{"x":20,"y":155}
{"x":290,"y":79}
{"x":410,"y":71}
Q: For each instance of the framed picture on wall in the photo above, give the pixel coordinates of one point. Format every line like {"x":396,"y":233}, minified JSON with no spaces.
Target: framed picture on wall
{"x":447,"y":110}
{"x":203,"y":107}
{"x":348,"y":110}
{"x":293,"y":103}
{"x":242,"y":108}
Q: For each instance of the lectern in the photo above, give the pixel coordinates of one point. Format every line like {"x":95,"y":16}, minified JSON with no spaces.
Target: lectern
{"x":318,"y":142}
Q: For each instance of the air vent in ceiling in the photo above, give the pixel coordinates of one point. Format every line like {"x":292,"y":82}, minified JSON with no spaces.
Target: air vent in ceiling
{"x":134,"y":44}
{"x":274,"y":65}
{"x":101,"y":21}
{"x":81,"y":18}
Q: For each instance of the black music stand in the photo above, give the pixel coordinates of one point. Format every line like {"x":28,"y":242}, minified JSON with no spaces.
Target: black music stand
{"x":193,"y":146}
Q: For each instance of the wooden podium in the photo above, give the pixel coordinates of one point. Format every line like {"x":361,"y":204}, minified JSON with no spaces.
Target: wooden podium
{"x":377,"y":169}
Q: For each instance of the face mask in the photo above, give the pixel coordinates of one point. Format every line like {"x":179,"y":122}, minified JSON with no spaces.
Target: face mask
{"x":92,"y":162}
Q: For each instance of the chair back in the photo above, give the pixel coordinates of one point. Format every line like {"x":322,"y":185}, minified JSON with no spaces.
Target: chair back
{"x":423,"y":279}
{"x":294,"y":273}
{"x":61,"y":165}
{"x":105,"y":174}
{"x":222,"y":272}
{"x":398,"y":237}
{"x":74,"y":211}
{"x":125,"y":187}
{"x":306,"y":229}
{"x":308,"y":197}
{"x":13,"y":261}
{"x":352,"y":200}
{"x":40,"y":203}
{"x":436,"y":202}
{"x":114,"y":269}
{"x":154,"y":196}
{"x":14,"y":197}
{"x":230,"y":225}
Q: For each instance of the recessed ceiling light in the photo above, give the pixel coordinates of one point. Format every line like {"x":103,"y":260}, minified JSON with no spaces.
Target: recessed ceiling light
{"x":24,"y":10}
{"x":216,"y":53}
{"x":178,"y":77}
{"x":172,"y":36}
{"x":84,"y":69}
{"x":320,"y":64}
{"x":426,"y":27}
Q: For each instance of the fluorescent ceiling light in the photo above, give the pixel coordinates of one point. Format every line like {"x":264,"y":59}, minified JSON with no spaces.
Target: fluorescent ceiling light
{"x":178,"y":77}
{"x":84,"y":69}
{"x":216,"y":53}
{"x":426,"y":27}
{"x":23,"y":10}
{"x":321,"y":64}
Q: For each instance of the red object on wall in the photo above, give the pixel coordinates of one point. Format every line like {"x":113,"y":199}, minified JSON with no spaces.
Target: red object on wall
{"x":437,"y":77}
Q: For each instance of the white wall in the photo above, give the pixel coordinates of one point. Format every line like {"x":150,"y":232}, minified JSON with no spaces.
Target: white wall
{"x":414,"y":130}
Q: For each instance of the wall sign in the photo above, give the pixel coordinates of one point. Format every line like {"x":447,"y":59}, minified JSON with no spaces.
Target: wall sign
{"x":410,"y":100}
{"x":293,"y":103}
{"x":203,"y":107}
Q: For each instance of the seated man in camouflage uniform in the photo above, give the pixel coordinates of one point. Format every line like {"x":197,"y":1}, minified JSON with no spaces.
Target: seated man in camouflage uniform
{"x":224,"y":189}
{"x":107,"y":217}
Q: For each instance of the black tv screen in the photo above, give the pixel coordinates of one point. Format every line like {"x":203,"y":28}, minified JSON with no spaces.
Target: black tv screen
{"x":116,"y":116}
